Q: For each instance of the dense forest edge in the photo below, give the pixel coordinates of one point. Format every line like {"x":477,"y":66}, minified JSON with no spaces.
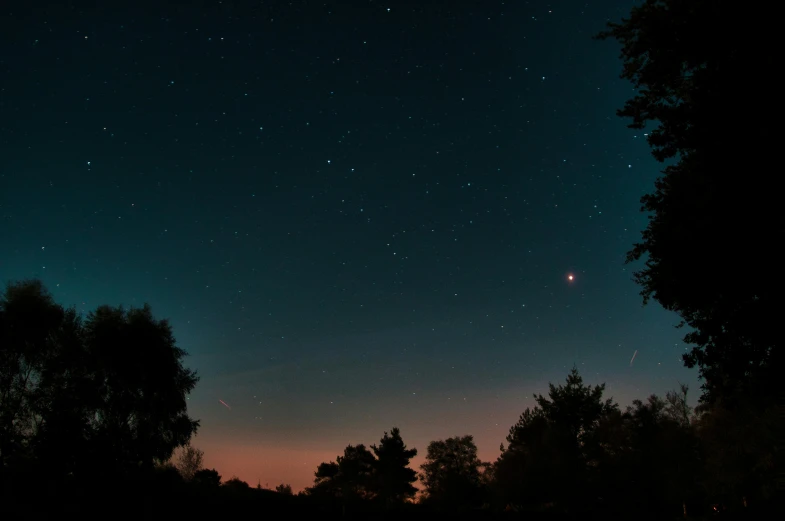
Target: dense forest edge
{"x":93,"y":408}
{"x":94,"y":413}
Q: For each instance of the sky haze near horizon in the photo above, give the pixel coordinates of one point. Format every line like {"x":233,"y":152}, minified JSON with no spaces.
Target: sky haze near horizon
{"x":356,"y":216}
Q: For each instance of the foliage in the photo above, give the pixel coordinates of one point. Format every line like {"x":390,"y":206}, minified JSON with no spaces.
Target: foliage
{"x":547,"y":459}
{"x":236,"y":485}
{"x":349,"y":478}
{"x":660,"y":460}
{"x":207,"y":478}
{"x":284,"y":489}
{"x":452,"y":474}
{"x":713,"y":215}
{"x":393,"y":479}
{"x":381,"y":474}
{"x":189,"y":461}
{"x":102,"y":392}
{"x":741,"y":446}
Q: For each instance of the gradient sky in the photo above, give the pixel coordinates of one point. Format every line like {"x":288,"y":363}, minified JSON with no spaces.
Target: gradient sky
{"x":356,"y":215}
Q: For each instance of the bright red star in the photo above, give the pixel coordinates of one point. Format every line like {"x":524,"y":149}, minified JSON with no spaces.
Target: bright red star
{"x":571,"y":277}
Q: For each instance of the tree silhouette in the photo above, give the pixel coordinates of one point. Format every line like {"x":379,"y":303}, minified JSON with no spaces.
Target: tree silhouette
{"x":284,"y":489}
{"x":522,"y":474}
{"x":392,"y":477}
{"x":141,"y":383}
{"x":661,"y":457}
{"x":31,"y":325}
{"x":550,"y":448}
{"x":452,"y":474}
{"x":349,"y":478}
{"x":189,"y":462}
{"x":236,"y":485}
{"x":208,"y":478}
{"x":740,"y":447}
{"x":690,"y":62}
{"x":105,"y":392}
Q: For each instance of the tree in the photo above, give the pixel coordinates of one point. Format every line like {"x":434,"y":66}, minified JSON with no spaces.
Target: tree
{"x":550,"y":449}
{"x":103,"y":393}
{"x":677,"y":409}
{"x":714,"y":218}
{"x":284,"y":489}
{"x":189,"y":462}
{"x":349,"y":478}
{"x":741,"y":447}
{"x":31,"y":326}
{"x":208,"y":478}
{"x":236,"y":485}
{"x":522,"y":474}
{"x":662,"y":460}
{"x":392,"y":476}
{"x":452,"y":474}
{"x":141,"y":385}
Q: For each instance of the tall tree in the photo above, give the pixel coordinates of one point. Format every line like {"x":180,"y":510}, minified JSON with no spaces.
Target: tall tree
{"x":741,"y":451}
{"x":522,"y":475}
{"x":141,"y":385}
{"x":715,"y":221}
{"x":31,"y":326}
{"x":189,"y":461}
{"x":393,"y":479}
{"x":662,"y":458}
{"x":207,"y":478}
{"x":549,"y":450}
{"x":349,"y":478}
{"x":88,"y":394}
{"x":452,"y":474}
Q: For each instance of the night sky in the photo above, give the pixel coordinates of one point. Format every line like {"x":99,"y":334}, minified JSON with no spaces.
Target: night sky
{"x":356,"y":214}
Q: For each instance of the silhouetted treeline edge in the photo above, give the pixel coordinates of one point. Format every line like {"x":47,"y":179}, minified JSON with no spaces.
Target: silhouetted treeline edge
{"x":93,"y":410}
{"x":93,"y":420}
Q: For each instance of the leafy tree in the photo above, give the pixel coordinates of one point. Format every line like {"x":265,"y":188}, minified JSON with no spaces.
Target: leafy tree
{"x":208,"y":478}
{"x":522,"y":474}
{"x":141,"y":384}
{"x":741,"y":448}
{"x":550,"y":450}
{"x":662,"y":457}
{"x":236,"y":485}
{"x":31,"y":324}
{"x":349,"y":478}
{"x":189,"y":461}
{"x":677,"y":409}
{"x":167,"y":477}
{"x":284,"y":489}
{"x":452,"y":474}
{"x":106,"y":392}
{"x":714,"y":217}
{"x":392,"y":476}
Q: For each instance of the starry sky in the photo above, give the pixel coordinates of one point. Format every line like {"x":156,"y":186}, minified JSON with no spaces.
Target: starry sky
{"x":355,"y":214}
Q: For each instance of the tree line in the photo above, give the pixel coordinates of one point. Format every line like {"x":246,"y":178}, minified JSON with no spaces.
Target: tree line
{"x":576,"y":451}
{"x":89,"y":400}
{"x":104,"y":395}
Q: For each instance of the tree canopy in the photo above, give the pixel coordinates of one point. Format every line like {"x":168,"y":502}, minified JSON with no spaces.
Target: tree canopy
{"x":108,"y":389}
{"x":349,"y":477}
{"x":452,"y":473}
{"x":393,"y":479}
{"x":714,"y":219}
{"x":189,"y":462}
{"x":550,"y":448}
{"x":381,"y":474}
